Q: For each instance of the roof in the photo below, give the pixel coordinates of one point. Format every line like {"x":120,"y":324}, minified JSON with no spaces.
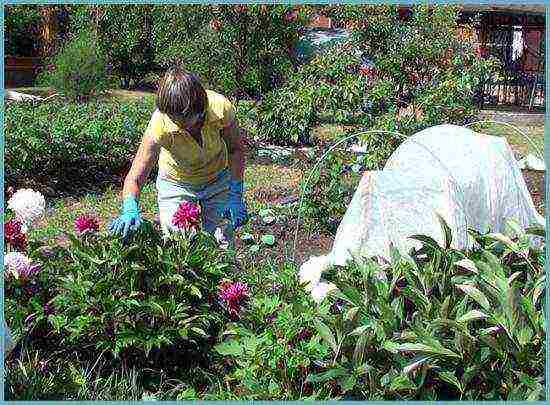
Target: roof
{"x":507,"y":8}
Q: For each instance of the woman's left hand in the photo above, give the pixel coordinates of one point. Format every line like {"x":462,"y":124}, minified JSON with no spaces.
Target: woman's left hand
{"x":235,"y":209}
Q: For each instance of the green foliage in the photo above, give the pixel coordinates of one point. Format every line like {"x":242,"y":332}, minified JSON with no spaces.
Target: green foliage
{"x":421,"y":75}
{"x":443,"y":325}
{"x":287,"y":114}
{"x":71,"y":139}
{"x":240,"y":50}
{"x":79,"y":68}
{"x":128,"y":299}
{"x":124,"y":33}
{"x":272,"y":348}
{"x":21,"y":30}
{"x":329,"y":193}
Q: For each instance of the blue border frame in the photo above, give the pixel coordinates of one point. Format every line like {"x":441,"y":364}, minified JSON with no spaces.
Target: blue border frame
{"x":546,"y":158}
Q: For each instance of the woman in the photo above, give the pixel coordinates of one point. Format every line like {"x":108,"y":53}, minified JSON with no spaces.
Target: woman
{"x":195,"y":138}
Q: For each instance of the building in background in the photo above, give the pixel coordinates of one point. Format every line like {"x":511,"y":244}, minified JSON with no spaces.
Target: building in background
{"x":514,"y":34}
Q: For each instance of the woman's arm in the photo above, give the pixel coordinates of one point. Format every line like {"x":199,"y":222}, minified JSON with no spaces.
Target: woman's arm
{"x":234,"y":140}
{"x":145,"y":159}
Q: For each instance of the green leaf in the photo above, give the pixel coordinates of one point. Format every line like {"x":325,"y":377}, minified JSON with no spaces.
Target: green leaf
{"x":475,"y":294}
{"x":327,"y":375}
{"x":326,"y":334}
{"x":450,"y":378}
{"x":229,"y":348}
{"x":505,"y":240}
{"x":536,"y":231}
{"x":417,"y":362}
{"x":359,"y":350}
{"x":446,"y":231}
{"x":351,"y":314}
{"x":401,"y":382}
{"x":468,"y":265}
{"x":268,"y":240}
{"x":422,"y":348}
{"x":390,"y":346}
{"x":427,"y":241}
{"x":360,"y":330}
{"x":472,"y":315}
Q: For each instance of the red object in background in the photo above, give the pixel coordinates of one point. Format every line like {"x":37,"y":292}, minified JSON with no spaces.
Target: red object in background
{"x":531,"y":57}
{"x":241,"y":8}
{"x":291,"y":15}
{"x":404,"y":13}
{"x":482,"y":52}
{"x":320,"y":21}
{"x":215,"y":24}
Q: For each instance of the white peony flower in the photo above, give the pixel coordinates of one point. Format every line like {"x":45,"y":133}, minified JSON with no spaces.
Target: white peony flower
{"x":28,"y":205}
{"x":14,"y":262}
{"x":310,"y":271}
{"x":320,"y":291}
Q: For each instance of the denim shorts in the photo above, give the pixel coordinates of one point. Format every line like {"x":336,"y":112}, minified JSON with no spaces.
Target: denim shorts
{"x":212,"y":198}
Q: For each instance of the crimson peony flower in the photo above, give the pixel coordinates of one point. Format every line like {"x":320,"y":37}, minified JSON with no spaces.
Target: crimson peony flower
{"x":86,"y":223}
{"x":14,"y":236}
{"x":233,"y":295}
{"x":187,"y":215}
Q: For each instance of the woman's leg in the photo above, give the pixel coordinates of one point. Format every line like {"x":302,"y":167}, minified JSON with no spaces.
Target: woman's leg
{"x":213,"y":201}
{"x":169,"y":197}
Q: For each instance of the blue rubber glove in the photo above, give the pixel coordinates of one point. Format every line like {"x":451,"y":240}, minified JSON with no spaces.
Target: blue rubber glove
{"x":235,"y":209}
{"x":129,"y":219}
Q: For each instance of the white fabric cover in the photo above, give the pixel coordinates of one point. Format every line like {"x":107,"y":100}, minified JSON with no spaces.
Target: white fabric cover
{"x":470,"y":179}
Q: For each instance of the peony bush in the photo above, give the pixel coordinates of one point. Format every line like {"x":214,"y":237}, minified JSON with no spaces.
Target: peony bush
{"x":126,"y":299}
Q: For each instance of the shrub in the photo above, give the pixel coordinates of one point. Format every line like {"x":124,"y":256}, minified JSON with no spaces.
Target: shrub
{"x":21,"y":30}
{"x":270,"y":349}
{"x":328,"y":194}
{"x":241,"y":50}
{"x":124,"y":34}
{"x":128,"y":299}
{"x":444,"y":325}
{"x":421,"y":74}
{"x":79,"y":69}
{"x":287,"y":114}
{"x":69,"y":141}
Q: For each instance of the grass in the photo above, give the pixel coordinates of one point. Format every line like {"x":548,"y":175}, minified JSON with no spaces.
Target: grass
{"x":522,"y":139}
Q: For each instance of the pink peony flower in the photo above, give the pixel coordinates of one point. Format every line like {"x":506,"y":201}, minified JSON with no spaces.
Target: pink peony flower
{"x":187,"y":215}
{"x":291,"y":15}
{"x":14,"y":236}
{"x":215,"y":24}
{"x":86,"y":223}
{"x":233,"y":296}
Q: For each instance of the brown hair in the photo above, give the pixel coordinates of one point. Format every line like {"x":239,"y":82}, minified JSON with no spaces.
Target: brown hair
{"x":180,"y":92}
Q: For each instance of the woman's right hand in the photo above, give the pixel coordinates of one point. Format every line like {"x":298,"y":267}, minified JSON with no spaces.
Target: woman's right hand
{"x":129,"y":219}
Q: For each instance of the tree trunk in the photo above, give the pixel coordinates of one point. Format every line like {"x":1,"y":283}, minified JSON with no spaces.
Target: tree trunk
{"x":48,"y":30}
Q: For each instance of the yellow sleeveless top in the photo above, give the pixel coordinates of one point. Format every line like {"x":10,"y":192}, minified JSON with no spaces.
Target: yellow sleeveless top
{"x":181,"y":158}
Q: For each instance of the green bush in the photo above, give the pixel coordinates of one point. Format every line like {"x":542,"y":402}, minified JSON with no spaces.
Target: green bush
{"x":79,"y":69}
{"x":127,"y":298}
{"x":422,"y":75}
{"x":239,"y":50}
{"x":329,"y":193}
{"x":124,"y":33}
{"x":269,"y":351}
{"x":441,"y":325}
{"x":21,"y":28}
{"x":69,"y":141}
{"x":444,"y":325}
